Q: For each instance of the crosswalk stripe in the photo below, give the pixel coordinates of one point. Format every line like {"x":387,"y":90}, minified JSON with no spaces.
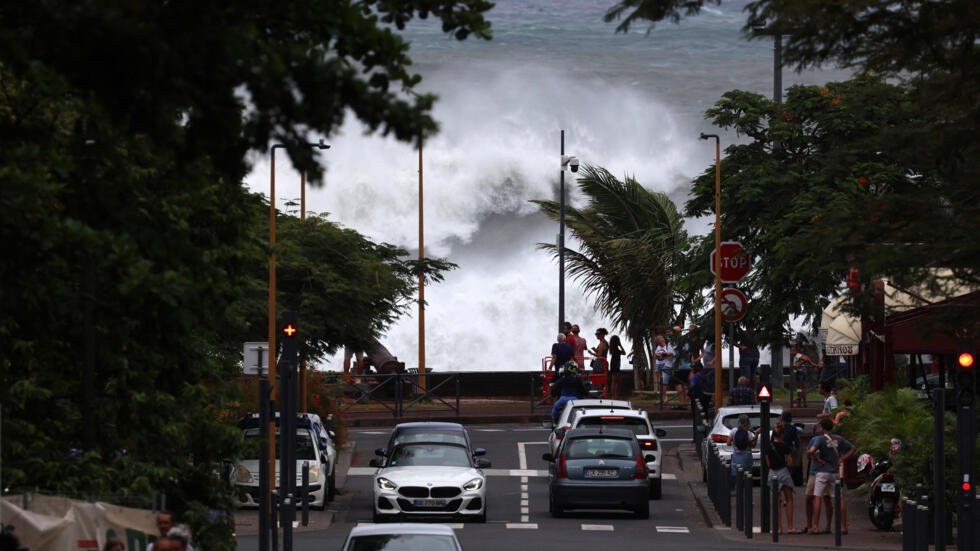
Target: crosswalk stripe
{"x":598,"y":527}
{"x":522,"y":526}
{"x":673,"y":529}
{"x":668,"y":476}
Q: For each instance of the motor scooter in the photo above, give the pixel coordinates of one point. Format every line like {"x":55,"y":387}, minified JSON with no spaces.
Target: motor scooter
{"x":883,"y":497}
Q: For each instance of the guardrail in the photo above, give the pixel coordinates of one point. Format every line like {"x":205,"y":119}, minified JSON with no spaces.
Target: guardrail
{"x":398,"y":393}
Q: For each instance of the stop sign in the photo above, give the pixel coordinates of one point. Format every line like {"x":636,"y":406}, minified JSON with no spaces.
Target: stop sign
{"x":734,"y":262}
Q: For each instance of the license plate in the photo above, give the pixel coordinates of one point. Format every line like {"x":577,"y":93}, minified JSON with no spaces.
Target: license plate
{"x":887,"y":487}
{"x":600,"y":473}
{"x":429,"y":502}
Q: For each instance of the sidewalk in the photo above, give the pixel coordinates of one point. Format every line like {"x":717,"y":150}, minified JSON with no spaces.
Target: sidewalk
{"x":512,"y":410}
{"x":861,"y":533}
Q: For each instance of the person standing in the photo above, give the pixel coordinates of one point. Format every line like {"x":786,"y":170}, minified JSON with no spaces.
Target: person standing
{"x":828,"y":451}
{"x":165,"y":523}
{"x":779,"y":458}
{"x":830,"y":402}
{"x":665,"y":362}
{"x":697,"y":387}
{"x":561,"y":354}
{"x":579,"y":347}
{"x":616,"y":353}
{"x":682,"y":366}
{"x":569,"y":387}
{"x":601,"y":350}
{"x":748,"y":358}
{"x":742,"y":438}
{"x":742,"y":395}
{"x":800,"y":363}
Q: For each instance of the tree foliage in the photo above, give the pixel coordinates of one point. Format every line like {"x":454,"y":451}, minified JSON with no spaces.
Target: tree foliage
{"x":632,"y":241}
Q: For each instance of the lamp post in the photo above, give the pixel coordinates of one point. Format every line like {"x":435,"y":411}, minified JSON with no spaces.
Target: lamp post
{"x":302,"y":216}
{"x":567,"y":162}
{"x":717,"y":263}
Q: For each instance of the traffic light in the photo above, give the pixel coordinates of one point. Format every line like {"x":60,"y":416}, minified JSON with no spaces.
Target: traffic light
{"x":966,"y":378}
{"x":290,"y":338}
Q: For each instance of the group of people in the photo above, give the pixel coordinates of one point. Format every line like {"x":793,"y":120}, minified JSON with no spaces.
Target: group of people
{"x":570,"y":348}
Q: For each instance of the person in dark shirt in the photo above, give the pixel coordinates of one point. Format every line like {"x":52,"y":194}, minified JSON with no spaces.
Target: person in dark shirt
{"x":568,"y":387}
{"x":698,"y":383}
{"x":561,"y":354}
{"x":742,"y":395}
{"x":779,"y":458}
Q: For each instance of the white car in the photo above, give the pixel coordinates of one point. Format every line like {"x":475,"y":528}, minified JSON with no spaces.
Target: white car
{"x":429,"y":477}
{"x":639,"y":423}
{"x":725,"y":420}
{"x":314,"y":448}
{"x":572,"y":408}
{"x":402,"y":537}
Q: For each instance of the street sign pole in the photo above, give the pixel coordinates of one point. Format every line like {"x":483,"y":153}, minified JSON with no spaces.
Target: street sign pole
{"x":765,"y":397}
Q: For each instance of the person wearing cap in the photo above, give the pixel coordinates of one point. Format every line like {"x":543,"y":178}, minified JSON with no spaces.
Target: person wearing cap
{"x":579,"y":347}
{"x":568,"y":387}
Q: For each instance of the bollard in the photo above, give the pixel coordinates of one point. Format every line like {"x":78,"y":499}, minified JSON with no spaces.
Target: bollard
{"x":921,"y":528}
{"x":747,"y":513}
{"x":908,"y":524}
{"x":274,"y":521}
{"x":739,"y":499}
{"x":304,"y":493}
{"x":837,"y":519}
{"x":775,"y":511}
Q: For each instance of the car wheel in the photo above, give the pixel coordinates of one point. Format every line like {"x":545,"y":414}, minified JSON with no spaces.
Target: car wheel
{"x":656,"y":488}
{"x":554,"y":509}
{"x":643,"y":511}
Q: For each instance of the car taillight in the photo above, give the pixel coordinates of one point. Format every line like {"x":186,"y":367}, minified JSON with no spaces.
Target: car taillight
{"x":640,"y":471}
{"x":562,"y":467}
{"x":649,"y":445}
{"x":719,"y":438}
{"x":559,"y":435}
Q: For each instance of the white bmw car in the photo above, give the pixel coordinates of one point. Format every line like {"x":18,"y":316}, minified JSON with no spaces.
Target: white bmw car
{"x":430,"y":479}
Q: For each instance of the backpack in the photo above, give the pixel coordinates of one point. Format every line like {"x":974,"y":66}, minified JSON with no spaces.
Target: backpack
{"x":741,"y":440}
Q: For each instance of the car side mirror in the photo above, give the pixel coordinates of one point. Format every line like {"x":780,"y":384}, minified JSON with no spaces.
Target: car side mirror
{"x":482,"y":463}
{"x":560,"y":432}
{"x":548,"y":457}
{"x":649,"y":458}
{"x":479,"y":451}
{"x":324,"y":458}
{"x":548,"y":425}
{"x":332,"y":434}
{"x":375,"y":462}
{"x":380,"y":451}
{"x":660,"y":433}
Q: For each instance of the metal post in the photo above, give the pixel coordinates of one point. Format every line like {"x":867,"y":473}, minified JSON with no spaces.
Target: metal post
{"x":274,"y":518}
{"x":731,"y":356}
{"x":264,"y":497}
{"x":747,"y":514}
{"x":966,"y":430}
{"x":775,"y":512}
{"x":561,"y":243}
{"x":922,"y":528}
{"x":938,"y":467}
{"x":304,"y":493}
{"x":764,"y":470}
{"x":837,"y":519}
{"x":272,"y":305}
{"x":908,"y":524}
{"x":739,"y":498}
{"x":422,"y":381}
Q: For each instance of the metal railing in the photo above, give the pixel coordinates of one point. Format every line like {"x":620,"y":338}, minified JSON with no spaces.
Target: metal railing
{"x":718,"y":485}
{"x":398,"y":393}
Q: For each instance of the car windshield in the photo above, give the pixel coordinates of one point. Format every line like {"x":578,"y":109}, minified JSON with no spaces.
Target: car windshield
{"x":755,"y":419}
{"x":304,"y":444}
{"x":597,"y":447}
{"x":638,"y":426}
{"x":402,"y":542}
{"x":429,"y":455}
{"x":429,"y":435}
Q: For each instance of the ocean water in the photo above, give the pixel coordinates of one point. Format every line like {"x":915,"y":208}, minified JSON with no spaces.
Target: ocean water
{"x":632,"y":103}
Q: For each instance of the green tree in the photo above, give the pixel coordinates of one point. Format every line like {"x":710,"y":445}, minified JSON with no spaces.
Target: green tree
{"x":631,"y":242}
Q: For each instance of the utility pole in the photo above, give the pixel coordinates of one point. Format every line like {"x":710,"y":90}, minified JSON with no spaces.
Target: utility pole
{"x":421,"y":280}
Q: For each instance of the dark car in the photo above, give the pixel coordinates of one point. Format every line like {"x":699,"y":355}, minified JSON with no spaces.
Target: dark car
{"x":598,"y":469}
{"x":430,"y":432}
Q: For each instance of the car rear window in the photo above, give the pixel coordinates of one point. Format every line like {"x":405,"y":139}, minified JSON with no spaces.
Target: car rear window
{"x":638,"y":426}
{"x":599,"y":447}
{"x":578,"y":409}
{"x":731,"y":421}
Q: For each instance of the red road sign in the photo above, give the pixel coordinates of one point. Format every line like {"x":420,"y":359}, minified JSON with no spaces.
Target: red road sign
{"x":735,"y":262}
{"x":733,"y":304}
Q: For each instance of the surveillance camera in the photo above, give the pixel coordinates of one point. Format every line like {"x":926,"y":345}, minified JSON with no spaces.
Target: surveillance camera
{"x":573,"y":164}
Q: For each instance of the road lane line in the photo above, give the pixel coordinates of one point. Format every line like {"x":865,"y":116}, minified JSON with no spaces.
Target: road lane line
{"x":522,"y":526}
{"x":525,"y":518}
{"x":673,"y":529}
{"x":360,"y":471}
{"x":598,"y":527}
{"x":668,"y":476}
{"x":524,"y":503}
{"x":523,"y":487}
{"x":525,"y":510}
{"x":673,"y":439}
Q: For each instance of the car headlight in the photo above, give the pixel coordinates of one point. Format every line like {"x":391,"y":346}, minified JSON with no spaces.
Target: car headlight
{"x":314,"y":472}
{"x":474,"y":484}
{"x":385,"y":484}
{"x":243,"y":475}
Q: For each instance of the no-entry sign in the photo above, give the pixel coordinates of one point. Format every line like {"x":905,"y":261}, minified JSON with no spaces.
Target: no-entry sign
{"x":734,"y":262}
{"x":733,"y":304}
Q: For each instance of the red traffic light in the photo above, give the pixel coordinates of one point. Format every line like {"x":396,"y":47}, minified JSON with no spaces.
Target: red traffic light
{"x":289,"y":330}
{"x":764,"y":393}
{"x":966,"y":486}
{"x":965,"y":359}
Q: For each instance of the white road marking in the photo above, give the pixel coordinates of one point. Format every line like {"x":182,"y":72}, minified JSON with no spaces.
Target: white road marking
{"x":523,"y":473}
{"x":524,"y":503}
{"x":668,"y":476}
{"x":673,"y":529}
{"x":522,"y":526}
{"x":678,"y":510}
{"x":687,"y":426}
{"x":525,"y":510}
{"x":598,"y":527}
{"x":673,"y":439}
{"x":523,"y":487}
{"x":456,"y":525}
{"x":523,"y":479}
{"x":525,"y":518}
{"x":360,"y":471}
{"x":522,"y":454}
{"x":369,"y":432}
{"x":488,"y":430}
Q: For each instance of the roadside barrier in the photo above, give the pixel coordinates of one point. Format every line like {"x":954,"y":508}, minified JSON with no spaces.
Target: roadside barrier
{"x":719,"y":490}
{"x":401,"y":392}
{"x":595,"y":378}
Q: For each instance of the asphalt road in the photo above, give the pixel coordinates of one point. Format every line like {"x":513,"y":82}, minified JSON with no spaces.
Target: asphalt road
{"x":517,"y":500}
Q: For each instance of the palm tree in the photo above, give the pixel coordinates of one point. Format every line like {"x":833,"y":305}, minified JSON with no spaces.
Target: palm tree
{"x":632,"y":240}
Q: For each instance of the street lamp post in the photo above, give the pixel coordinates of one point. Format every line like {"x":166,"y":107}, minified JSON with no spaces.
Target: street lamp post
{"x":567,"y":162}
{"x":717,"y":264}
{"x":302,"y":216}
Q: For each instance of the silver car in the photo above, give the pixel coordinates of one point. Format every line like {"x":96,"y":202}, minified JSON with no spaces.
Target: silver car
{"x":402,"y":537}
{"x":598,"y":468}
{"x":572,"y":408}
{"x":725,"y":420}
